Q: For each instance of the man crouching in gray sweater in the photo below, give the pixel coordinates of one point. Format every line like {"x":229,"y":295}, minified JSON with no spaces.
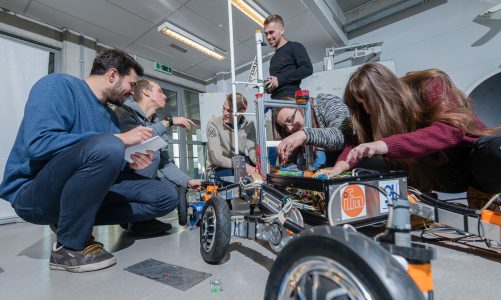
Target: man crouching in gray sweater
{"x":220,"y":139}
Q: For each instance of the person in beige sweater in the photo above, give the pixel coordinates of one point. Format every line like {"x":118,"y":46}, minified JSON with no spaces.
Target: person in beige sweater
{"x":220,"y":139}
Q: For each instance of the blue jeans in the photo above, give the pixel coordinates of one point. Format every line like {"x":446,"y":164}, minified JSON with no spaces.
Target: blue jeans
{"x":272,"y":156}
{"x":85,"y":186}
{"x":225,"y":172}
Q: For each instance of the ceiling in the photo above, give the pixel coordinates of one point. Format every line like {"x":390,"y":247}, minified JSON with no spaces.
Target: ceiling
{"x":132,"y":25}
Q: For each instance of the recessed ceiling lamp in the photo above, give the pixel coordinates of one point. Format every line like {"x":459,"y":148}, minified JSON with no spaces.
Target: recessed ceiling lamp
{"x":190,"y":40}
{"x":251,"y":10}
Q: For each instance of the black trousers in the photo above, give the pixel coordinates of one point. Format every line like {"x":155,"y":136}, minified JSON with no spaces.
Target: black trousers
{"x":478,"y":166}
{"x":485,"y":163}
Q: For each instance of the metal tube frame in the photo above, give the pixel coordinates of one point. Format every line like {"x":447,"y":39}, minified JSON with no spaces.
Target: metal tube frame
{"x":233,"y":81}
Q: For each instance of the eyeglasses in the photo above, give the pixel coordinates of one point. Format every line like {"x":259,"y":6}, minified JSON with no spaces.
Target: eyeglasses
{"x":290,"y":120}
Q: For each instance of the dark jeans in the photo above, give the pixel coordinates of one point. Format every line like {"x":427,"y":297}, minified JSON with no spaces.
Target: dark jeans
{"x":478,"y":166}
{"x":272,"y":156}
{"x":485,"y":163}
{"x":225,"y":172}
{"x":85,"y":186}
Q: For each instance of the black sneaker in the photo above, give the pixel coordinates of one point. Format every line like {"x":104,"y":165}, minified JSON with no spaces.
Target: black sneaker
{"x":93,"y":257}
{"x":147,"y":228}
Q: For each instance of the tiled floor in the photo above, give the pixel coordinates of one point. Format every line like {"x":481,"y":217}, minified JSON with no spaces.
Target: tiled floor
{"x":24,"y":273}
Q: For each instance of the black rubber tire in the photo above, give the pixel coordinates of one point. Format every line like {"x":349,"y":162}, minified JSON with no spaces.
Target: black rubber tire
{"x":383,"y":277}
{"x":182,"y":207}
{"x":222,"y":233}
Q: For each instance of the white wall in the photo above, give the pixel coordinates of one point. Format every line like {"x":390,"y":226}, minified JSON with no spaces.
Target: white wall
{"x":334,"y":81}
{"x":71,"y":57}
{"x":442,"y":38}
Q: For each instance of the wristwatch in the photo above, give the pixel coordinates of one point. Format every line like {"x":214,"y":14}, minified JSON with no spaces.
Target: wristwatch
{"x":168,"y":118}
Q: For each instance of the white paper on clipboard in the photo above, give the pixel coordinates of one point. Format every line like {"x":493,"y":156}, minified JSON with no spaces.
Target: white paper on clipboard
{"x":153,"y":144}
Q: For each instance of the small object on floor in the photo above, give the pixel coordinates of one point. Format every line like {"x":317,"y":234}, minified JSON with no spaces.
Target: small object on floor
{"x":153,"y":276}
{"x":146,"y":228}
{"x":216,"y":285}
{"x":92,"y":258}
{"x":216,"y":282}
{"x":172,"y":275}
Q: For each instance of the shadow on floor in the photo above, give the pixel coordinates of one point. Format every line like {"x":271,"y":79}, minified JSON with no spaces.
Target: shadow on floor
{"x":40,"y":249}
{"x":1,"y":270}
{"x":112,"y":236}
{"x":256,"y":256}
{"x":123,"y":241}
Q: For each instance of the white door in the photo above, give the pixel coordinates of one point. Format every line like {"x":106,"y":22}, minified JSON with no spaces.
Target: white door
{"x":21,"y":65}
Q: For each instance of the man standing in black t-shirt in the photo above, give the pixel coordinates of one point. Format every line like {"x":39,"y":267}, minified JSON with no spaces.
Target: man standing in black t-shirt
{"x":290,"y":63}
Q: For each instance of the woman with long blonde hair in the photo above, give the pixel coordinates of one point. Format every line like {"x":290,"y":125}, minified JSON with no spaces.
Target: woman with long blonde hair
{"x":424,"y":124}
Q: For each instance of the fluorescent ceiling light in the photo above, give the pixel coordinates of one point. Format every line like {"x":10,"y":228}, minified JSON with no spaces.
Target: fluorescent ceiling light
{"x":251,"y":10}
{"x":190,"y":40}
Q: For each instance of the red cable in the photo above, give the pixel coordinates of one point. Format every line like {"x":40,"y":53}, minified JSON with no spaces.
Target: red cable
{"x":258,"y":164}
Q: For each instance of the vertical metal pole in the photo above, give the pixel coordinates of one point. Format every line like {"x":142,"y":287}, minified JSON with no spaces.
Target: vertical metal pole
{"x":261,"y":123}
{"x":308,"y":122}
{"x":233,"y":83}
{"x":259,"y":57}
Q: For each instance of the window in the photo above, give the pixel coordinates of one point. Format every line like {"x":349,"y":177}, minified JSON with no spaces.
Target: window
{"x":192,"y":111}
{"x":186,"y":147}
{"x":195,"y":149}
{"x":171,"y":108}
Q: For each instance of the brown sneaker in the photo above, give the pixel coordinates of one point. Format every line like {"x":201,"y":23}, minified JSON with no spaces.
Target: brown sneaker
{"x":418,"y":222}
{"x":93,"y":257}
{"x":477,"y":199}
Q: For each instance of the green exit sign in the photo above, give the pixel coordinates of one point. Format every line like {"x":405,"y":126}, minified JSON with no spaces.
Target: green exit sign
{"x":163,"y":68}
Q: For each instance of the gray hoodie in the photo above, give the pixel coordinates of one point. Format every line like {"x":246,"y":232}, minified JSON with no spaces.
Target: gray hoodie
{"x":220,"y":142}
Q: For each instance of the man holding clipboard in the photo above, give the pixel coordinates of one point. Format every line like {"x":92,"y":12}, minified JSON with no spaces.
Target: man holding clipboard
{"x":148,"y":98}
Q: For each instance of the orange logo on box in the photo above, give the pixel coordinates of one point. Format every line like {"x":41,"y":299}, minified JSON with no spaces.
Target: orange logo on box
{"x":353,"y":201}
